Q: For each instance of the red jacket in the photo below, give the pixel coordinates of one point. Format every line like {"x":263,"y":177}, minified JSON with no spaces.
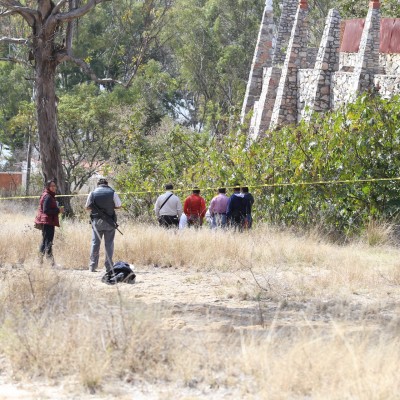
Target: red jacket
{"x":51,"y":216}
{"x":195,"y":205}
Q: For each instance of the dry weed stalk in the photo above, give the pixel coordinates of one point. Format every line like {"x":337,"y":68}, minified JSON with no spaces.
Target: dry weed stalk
{"x":51,"y":324}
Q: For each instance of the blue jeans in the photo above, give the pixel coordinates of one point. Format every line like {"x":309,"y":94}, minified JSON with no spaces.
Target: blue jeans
{"x":218,"y":221}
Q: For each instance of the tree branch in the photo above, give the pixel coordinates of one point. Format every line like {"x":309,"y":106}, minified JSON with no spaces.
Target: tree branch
{"x":62,"y":57}
{"x":78,"y":12}
{"x":13,"y":40}
{"x":15,"y":7}
{"x":58,"y":6}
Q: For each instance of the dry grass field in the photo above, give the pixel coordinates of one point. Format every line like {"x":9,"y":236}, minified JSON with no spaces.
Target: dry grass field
{"x":266,"y":314}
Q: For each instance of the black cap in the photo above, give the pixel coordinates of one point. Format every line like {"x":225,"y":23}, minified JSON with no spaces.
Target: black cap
{"x":102,"y":181}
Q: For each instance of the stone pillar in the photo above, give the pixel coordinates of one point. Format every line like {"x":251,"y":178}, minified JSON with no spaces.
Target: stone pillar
{"x":319,"y":93}
{"x":288,"y":15}
{"x":285,"y":107}
{"x":262,"y":58}
{"x":367,"y":64}
{"x":265,"y":105}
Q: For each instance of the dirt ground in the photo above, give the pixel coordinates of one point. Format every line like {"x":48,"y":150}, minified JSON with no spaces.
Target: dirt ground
{"x":198,"y":302}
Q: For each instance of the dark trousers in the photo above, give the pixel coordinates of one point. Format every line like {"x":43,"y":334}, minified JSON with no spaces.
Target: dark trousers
{"x":248,"y":221}
{"x":47,"y":240}
{"x":195,"y":221}
{"x":168,"y":221}
{"x":236,"y":222}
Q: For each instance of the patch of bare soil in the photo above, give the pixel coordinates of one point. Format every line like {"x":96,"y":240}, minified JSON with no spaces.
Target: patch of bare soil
{"x":198,"y":302}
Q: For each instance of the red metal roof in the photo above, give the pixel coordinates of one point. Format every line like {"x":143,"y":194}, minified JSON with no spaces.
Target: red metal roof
{"x":390,"y":35}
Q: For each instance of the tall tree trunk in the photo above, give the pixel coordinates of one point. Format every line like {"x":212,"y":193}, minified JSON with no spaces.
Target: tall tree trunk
{"x":46,"y":107}
{"x":28,"y":163}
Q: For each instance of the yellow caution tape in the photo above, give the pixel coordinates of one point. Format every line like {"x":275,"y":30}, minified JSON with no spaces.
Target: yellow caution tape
{"x":339,"y":182}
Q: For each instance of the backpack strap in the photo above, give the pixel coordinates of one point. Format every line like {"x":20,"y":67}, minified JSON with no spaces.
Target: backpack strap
{"x":162,"y":205}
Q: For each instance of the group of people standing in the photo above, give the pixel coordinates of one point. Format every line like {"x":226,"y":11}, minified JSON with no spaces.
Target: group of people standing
{"x":224,"y":211}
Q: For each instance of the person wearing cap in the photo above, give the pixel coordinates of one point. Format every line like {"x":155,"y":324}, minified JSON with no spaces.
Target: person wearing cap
{"x":168,"y":208}
{"x":218,"y":209}
{"x":195,"y":208}
{"x":102,"y":203}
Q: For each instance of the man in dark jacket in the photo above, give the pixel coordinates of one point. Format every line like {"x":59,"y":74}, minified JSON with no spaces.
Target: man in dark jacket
{"x":101,"y":203}
{"x":236,"y":209}
{"x":248,"y":221}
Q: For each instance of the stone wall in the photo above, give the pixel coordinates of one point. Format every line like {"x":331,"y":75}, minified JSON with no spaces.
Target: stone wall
{"x":341,"y":82}
{"x":303,"y":80}
{"x":387,"y":85}
{"x":262,"y":58}
{"x":390,"y":63}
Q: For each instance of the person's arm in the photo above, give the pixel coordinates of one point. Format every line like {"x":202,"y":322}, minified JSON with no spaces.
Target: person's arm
{"x":251,"y":200}
{"x":212,"y":205}
{"x":157,"y":207}
{"x":179,"y":207}
{"x":203,"y":208}
{"x":117,"y":201}
{"x":47,"y":209}
{"x":228,"y":208}
{"x":186,"y":206}
{"x":88,"y":202}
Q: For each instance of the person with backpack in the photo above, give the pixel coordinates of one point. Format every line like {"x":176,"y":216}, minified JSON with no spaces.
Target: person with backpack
{"x":102,"y":203}
{"x":47,"y":219}
{"x":168,"y":208}
{"x":236,"y":210}
{"x":195,"y":208}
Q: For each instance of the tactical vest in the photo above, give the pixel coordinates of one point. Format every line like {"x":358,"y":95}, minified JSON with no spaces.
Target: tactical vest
{"x":103,"y":196}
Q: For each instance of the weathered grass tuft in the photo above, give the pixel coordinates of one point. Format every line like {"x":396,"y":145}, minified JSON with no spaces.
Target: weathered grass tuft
{"x":326,"y":314}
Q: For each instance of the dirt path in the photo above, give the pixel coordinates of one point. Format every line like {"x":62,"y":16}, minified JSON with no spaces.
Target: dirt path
{"x":196,"y":301}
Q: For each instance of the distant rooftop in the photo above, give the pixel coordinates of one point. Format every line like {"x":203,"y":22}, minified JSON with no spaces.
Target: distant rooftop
{"x":390,"y":35}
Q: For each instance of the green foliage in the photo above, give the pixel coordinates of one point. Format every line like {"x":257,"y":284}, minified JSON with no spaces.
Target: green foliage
{"x":88,"y":126}
{"x":154,"y":160}
{"x":116,"y":40}
{"x":359,"y":9}
{"x":360,"y":142}
{"x":212,"y":57}
{"x":14,"y":90}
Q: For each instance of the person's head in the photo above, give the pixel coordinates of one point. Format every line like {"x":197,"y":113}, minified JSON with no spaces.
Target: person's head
{"x":102,"y":181}
{"x":222,"y":190}
{"x":196,"y":190}
{"x":236,"y":189}
{"x":51,"y":185}
{"x":245,"y":189}
{"x":169,"y":186}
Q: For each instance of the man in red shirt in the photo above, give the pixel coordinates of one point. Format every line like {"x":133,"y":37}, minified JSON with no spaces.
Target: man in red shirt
{"x":195,"y":208}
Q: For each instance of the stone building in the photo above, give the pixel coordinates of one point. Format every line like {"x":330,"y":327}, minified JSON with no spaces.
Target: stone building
{"x":289,"y":81}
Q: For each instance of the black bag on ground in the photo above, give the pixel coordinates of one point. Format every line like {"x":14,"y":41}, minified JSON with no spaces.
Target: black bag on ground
{"x":120,"y":272}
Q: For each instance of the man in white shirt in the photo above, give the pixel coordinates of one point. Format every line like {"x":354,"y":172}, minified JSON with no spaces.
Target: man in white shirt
{"x":168,"y":208}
